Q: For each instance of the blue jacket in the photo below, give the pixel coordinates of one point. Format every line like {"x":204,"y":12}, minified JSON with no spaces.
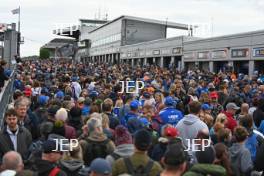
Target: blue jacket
{"x":124,"y":119}
{"x":170,"y":115}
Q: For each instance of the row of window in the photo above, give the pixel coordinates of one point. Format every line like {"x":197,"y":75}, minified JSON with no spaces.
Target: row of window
{"x":109,"y":39}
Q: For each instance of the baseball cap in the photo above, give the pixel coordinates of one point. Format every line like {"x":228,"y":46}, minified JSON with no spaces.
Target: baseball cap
{"x":101,"y":166}
{"x":81,"y":100}
{"x":42,"y":100}
{"x":59,"y":94}
{"x":134,"y":104}
{"x":49,"y":146}
{"x":213,"y":95}
{"x":206,"y":106}
{"x":171,"y":132}
{"x":232,"y":106}
{"x":169,"y":101}
{"x":144,"y":121}
{"x":93,"y":94}
{"x":44,"y":90}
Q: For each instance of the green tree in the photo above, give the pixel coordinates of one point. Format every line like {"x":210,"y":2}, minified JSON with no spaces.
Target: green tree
{"x":44,"y":53}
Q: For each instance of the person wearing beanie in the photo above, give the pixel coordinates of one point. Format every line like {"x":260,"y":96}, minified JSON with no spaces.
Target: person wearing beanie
{"x":205,"y":164}
{"x":75,"y":119}
{"x":139,"y":162}
{"x":174,"y":160}
{"x":61,"y":116}
{"x":96,"y":144}
{"x":124,"y":144}
{"x":48,"y":162}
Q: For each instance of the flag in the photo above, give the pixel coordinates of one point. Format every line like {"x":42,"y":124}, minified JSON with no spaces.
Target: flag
{"x":15,"y":11}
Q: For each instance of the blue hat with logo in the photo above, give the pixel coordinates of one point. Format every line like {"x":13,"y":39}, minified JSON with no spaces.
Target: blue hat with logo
{"x":169,"y":101}
{"x":206,"y":106}
{"x":134,"y":104}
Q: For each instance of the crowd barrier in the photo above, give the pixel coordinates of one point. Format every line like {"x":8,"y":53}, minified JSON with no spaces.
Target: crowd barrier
{"x":6,"y":96}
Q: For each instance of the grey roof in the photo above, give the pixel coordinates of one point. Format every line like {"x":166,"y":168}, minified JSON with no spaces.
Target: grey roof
{"x":57,"y":43}
{"x":242,"y":34}
{"x":147,"y":20}
{"x":93,"y":21}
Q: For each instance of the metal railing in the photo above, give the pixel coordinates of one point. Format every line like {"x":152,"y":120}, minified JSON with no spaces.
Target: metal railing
{"x":6,"y":96}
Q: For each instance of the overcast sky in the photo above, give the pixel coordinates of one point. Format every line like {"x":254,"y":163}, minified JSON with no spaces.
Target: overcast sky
{"x":215,"y":17}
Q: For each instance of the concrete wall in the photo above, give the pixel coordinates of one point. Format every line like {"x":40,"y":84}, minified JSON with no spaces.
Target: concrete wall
{"x":10,"y":44}
{"x":156,"y":48}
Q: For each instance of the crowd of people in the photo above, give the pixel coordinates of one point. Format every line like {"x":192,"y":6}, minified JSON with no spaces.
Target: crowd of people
{"x":75,"y":119}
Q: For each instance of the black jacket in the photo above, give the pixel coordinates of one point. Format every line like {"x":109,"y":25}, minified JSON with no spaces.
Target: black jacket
{"x":44,"y":167}
{"x":24,"y":140}
{"x":3,"y":77}
{"x":258,"y":116}
{"x":259,"y":159}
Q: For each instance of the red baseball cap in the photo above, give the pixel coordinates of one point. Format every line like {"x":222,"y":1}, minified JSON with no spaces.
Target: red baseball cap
{"x":171,"y":132}
{"x":213,"y":95}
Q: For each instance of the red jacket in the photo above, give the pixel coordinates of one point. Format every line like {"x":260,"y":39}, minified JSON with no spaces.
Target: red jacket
{"x":231,"y":122}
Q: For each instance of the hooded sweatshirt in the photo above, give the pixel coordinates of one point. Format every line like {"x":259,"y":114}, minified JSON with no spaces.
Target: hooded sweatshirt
{"x":189,"y":127}
{"x":206,"y":169}
{"x":240,"y":159}
{"x":123,"y":150}
{"x":71,"y":167}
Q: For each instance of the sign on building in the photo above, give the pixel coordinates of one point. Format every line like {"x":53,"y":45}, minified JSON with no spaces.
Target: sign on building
{"x":240,"y":52}
{"x":177,"y":50}
{"x":258,"y":52}
{"x":203,"y":55}
{"x":219,"y":54}
{"x":189,"y":56}
{"x":156,"y":52}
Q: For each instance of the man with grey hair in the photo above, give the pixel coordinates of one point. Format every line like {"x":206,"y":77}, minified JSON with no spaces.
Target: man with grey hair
{"x":25,"y":116}
{"x":12,"y":161}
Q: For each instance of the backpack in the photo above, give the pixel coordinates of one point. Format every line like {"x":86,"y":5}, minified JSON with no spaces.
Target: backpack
{"x":115,"y":156}
{"x":95,"y":149}
{"x":140,"y":170}
{"x":54,"y":171}
{"x":73,"y":92}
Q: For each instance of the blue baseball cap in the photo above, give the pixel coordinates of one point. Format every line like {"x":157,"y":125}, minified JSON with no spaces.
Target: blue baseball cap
{"x":101,"y":166}
{"x":44,"y":90}
{"x":74,"y":78}
{"x":93,"y":93}
{"x":169,"y":101}
{"x":144,"y":121}
{"x":134,"y":104}
{"x":42,"y":100}
{"x":206,"y":107}
{"x":59,"y":94}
